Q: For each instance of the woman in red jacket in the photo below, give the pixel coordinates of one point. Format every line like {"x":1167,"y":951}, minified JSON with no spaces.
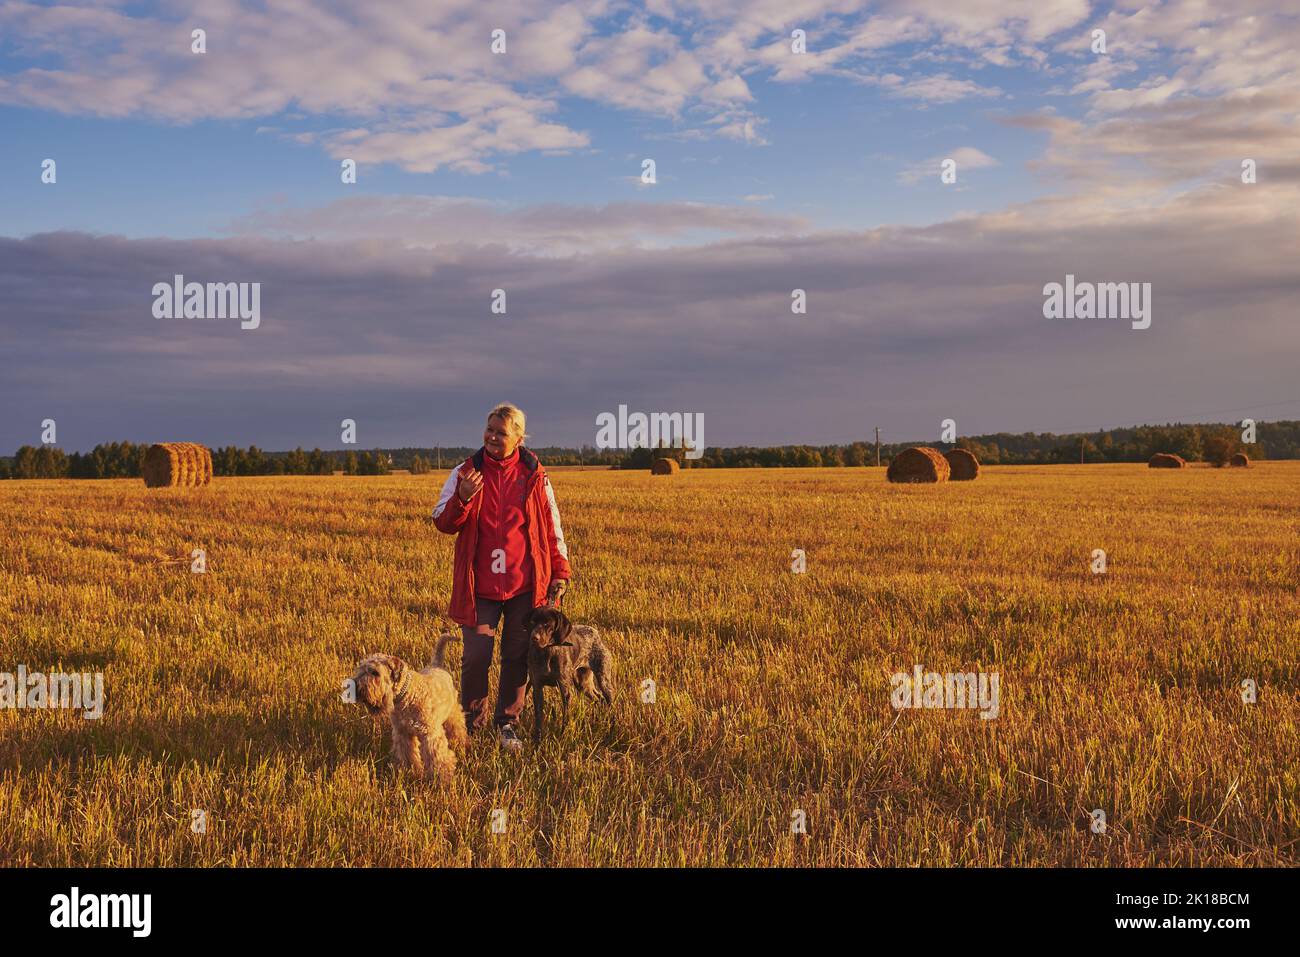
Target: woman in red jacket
{"x":510,"y":558}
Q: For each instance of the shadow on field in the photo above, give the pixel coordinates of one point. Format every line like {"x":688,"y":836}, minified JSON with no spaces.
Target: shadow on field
{"x":314,"y":738}
{"x":53,"y":658}
{"x":747,"y":631}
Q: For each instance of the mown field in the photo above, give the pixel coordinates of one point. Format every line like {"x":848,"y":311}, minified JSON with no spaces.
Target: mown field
{"x":1118,"y":692}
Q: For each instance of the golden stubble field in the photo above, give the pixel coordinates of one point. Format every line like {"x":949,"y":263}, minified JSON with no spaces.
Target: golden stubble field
{"x":1118,"y":693}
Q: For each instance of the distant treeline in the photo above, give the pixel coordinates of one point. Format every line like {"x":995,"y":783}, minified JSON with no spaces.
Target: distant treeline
{"x":1196,"y":443}
{"x":125,"y":459}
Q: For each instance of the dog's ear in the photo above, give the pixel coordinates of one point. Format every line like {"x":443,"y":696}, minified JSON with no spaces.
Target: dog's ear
{"x":395,"y":666}
{"x":563,"y":628}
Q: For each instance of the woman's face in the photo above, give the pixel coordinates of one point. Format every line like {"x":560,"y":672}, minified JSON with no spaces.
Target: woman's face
{"x":498,"y":438}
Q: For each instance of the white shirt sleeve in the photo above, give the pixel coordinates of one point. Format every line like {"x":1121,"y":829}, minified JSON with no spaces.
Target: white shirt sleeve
{"x":555,"y":519}
{"x":448,"y":490}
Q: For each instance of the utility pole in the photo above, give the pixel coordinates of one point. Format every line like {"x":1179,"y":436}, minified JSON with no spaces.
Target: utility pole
{"x":1081,"y":450}
{"x":439,"y":458}
{"x":877,"y":446}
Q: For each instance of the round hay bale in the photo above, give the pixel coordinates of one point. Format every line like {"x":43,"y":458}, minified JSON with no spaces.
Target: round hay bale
{"x":1166,"y":460}
{"x":160,"y":466}
{"x":185,"y":464}
{"x":177,"y":465}
{"x":918,"y":465}
{"x":1240,"y":461}
{"x":202,"y":464}
{"x":965,"y":467}
{"x":665,"y":467}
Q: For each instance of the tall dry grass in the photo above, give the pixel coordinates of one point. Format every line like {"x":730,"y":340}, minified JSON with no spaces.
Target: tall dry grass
{"x":1117,"y":692}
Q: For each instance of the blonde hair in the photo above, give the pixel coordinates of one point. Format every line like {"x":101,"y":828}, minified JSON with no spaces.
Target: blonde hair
{"x":512,"y":414}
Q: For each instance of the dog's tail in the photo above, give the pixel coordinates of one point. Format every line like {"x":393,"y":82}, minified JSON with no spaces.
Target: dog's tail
{"x":442,"y":644}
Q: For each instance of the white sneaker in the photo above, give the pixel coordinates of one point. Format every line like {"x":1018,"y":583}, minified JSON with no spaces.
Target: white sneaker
{"x":509,"y":740}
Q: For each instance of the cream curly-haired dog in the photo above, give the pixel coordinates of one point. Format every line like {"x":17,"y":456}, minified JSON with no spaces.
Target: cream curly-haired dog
{"x":420,"y":705}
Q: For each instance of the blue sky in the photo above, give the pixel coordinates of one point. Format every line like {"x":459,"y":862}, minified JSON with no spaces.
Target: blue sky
{"x":833,"y":154}
{"x":776,"y":171}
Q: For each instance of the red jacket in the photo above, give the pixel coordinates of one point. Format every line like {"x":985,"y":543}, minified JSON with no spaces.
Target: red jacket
{"x":503,"y":565}
{"x":546,"y":548}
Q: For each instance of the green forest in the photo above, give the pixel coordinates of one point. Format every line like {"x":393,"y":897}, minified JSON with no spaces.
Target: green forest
{"x":1195,"y":443}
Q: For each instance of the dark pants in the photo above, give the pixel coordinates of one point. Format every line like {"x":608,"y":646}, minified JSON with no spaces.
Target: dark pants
{"x":477,"y":658}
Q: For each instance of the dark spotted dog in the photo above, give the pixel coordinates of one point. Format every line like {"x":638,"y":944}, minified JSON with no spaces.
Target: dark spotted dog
{"x":568,"y":656}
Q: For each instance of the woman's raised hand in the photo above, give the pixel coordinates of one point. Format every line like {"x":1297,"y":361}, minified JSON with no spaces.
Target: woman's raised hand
{"x":469,"y":485}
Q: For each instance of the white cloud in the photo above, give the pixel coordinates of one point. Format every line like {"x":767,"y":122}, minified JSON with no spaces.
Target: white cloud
{"x":939,"y":88}
{"x":1175,"y":140}
{"x":966,"y":157}
{"x":414,"y":84}
{"x":423,"y":222}
{"x":417,"y":85}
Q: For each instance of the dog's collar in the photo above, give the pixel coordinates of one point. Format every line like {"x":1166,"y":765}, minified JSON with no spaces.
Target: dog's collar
{"x":403,"y":683}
